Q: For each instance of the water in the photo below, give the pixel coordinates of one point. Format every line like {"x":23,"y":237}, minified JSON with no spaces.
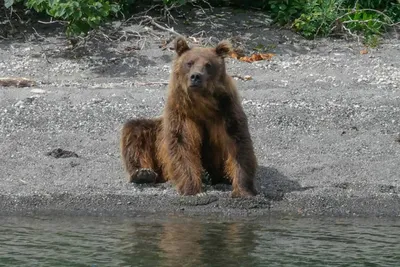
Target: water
{"x":44,"y":241}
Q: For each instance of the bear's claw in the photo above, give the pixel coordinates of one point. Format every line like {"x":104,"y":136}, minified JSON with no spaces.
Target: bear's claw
{"x":143,"y":176}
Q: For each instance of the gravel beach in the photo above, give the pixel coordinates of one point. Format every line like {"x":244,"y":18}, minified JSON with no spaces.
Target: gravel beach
{"x":324,"y":118}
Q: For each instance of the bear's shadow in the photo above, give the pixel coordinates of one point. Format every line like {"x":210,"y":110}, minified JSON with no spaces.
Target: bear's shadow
{"x":270,"y":183}
{"x":274,"y":185}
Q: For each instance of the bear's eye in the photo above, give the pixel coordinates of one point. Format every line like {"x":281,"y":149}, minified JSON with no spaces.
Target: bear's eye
{"x":208,"y":65}
{"x":189,"y":64}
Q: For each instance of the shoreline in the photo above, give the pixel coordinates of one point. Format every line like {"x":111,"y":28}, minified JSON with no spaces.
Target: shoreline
{"x":110,"y":205}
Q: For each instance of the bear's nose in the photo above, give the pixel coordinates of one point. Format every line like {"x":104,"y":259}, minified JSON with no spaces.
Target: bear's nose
{"x":195,"y":78}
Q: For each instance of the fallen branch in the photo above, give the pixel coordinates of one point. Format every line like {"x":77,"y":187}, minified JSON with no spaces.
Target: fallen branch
{"x":17,"y":82}
{"x":154,"y":23}
{"x":151,"y":83}
{"x":62,"y":22}
{"x":243,"y":78}
{"x":165,"y":43}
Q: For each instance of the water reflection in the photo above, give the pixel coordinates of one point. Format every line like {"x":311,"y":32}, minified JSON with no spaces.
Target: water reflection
{"x":175,"y":241}
{"x":191,"y":243}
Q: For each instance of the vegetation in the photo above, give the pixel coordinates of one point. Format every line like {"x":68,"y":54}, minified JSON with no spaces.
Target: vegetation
{"x":311,"y":18}
{"x":324,"y":17}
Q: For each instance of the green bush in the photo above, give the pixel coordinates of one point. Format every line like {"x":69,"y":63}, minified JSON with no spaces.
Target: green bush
{"x":308,"y":17}
{"x":80,"y":15}
{"x":284,"y":12}
{"x":320,"y":17}
{"x":317,"y":17}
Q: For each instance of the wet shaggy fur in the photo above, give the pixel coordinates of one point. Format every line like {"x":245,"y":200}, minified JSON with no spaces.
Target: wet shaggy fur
{"x":203,"y":127}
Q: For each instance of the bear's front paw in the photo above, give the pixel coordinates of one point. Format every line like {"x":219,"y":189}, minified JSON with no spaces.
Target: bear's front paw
{"x":243,"y":193}
{"x":144,"y":176}
{"x":188,"y":189}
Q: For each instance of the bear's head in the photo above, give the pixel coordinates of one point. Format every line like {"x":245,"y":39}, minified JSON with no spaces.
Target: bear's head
{"x":200,"y":69}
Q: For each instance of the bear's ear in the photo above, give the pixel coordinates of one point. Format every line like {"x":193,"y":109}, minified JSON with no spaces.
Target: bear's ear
{"x":181,"y":46}
{"x":223,"y":48}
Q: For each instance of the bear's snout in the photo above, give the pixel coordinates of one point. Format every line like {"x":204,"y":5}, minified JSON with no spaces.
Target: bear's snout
{"x":196,"y":79}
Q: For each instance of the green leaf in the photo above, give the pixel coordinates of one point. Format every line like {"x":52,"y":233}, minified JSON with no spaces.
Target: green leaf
{"x":53,"y":3}
{"x":98,"y":5}
{"x":114,"y":8}
{"x":8,"y":3}
{"x":60,"y":12}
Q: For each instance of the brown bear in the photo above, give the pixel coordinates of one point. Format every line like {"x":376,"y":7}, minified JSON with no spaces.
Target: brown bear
{"x":203,"y":128}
